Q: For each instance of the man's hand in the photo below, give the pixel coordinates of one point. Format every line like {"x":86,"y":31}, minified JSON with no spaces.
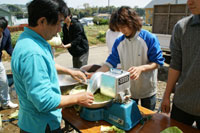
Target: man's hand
{"x":78,"y":75}
{"x":165,"y":105}
{"x":135,"y":72}
{"x":67,"y":45}
{"x":57,"y":46}
{"x":84,"y":98}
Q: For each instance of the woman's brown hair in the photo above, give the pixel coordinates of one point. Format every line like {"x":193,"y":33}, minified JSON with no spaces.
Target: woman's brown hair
{"x":127,"y":16}
{"x":112,"y":23}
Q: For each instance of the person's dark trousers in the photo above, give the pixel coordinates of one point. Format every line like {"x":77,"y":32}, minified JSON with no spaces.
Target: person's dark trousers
{"x":149,"y":102}
{"x":80,"y":61}
{"x":184,"y":117}
{"x":59,"y":130}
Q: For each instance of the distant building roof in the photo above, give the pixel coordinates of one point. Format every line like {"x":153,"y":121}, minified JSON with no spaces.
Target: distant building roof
{"x":88,"y":18}
{"x":20,"y":21}
{"x":5,"y":10}
{"x":103,"y":14}
{"x":160,"y":2}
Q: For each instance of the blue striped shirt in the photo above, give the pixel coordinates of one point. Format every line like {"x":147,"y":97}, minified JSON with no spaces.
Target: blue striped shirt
{"x":139,"y":50}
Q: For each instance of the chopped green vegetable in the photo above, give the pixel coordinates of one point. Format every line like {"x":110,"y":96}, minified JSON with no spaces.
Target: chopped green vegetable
{"x":111,"y":129}
{"x":98,"y":97}
{"x":65,"y":92}
{"x":172,"y":130}
{"x":14,"y":115}
{"x":106,"y":129}
{"x":117,"y":130}
{"x":81,"y":87}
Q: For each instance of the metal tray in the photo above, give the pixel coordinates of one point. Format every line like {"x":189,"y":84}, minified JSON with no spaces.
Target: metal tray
{"x":66,"y":80}
{"x":99,"y":104}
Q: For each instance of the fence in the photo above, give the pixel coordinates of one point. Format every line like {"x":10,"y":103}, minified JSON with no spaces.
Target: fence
{"x":166,"y":16}
{"x":17,"y":28}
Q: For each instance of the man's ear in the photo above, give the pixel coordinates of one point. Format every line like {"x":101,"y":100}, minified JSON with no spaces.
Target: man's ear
{"x":42,"y":21}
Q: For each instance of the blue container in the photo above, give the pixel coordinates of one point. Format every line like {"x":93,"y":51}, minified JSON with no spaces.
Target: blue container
{"x":124,"y":116}
{"x":92,"y":114}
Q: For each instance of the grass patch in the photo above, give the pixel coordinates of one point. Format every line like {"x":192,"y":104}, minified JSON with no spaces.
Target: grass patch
{"x":96,"y":34}
{"x":149,"y":28}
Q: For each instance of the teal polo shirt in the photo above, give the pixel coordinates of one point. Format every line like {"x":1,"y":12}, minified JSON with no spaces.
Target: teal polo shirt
{"x":36,"y":83}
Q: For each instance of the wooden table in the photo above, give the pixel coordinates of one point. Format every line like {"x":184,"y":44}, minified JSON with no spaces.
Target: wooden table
{"x":158,"y":123}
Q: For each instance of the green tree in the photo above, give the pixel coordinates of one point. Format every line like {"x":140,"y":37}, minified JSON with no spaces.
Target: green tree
{"x":14,"y":8}
{"x":16,"y":11}
{"x":100,"y":21}
{"x":86,"y":5}
{"x":140,"y":11}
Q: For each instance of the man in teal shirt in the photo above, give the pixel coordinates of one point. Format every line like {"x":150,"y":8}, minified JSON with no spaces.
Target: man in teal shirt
{"x":35,"y":74}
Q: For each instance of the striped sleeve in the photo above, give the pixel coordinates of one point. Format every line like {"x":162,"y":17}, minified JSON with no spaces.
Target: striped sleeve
{"x":154,"y":52}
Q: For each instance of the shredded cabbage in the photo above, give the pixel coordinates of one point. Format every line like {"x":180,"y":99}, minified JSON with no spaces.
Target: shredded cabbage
{"x":98,"y":97}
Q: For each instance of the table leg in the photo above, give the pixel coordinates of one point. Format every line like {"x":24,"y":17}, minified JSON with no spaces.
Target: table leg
{"x":69,"y":127}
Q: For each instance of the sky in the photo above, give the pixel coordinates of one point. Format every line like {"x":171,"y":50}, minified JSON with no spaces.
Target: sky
{"x":92,"y":3}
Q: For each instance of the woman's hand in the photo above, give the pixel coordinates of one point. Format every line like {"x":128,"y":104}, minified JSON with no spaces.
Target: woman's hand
{"x":135,"y":72}
{"x":89,"y":75}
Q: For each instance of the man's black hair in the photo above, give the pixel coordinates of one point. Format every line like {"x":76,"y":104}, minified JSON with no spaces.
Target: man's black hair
{"x":50,"y":9}
{"x":69,"y":13}
{"x":3,"y":23}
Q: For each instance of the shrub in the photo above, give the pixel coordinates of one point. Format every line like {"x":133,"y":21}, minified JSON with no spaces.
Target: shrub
{"x":92,"y":40}
{"x":96,"y":33}
{"x":101,"y":36}
{"x":100,"y":21}
{"x":14,"y":37}
{"x":103,"y":21}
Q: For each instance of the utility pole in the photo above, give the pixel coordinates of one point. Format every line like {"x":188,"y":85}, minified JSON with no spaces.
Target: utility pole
{"x":108,"y":3}
{"x":109,"y":6}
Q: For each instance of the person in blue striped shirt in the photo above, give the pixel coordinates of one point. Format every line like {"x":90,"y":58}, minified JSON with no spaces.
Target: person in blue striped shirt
{"x":138,"y":51}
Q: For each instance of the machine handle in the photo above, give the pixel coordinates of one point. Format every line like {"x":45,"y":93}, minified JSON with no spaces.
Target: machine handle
{"x":116,"y":71}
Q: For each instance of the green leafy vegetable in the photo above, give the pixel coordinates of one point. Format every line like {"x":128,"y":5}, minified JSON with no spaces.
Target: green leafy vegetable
{"x":111,"y":129}
{"x":98,"y":97}
{"x":172,"y":130}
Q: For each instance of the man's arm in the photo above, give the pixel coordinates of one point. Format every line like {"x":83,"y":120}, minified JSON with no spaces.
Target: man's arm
{"x":173,"y":76}
{"x":83,"y":99}
{"x":8,"y":46}
{"x":66,"y":45}
{"x":78,"y":36}
{"x":77,"y":75}
{"x":175,"y":66}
